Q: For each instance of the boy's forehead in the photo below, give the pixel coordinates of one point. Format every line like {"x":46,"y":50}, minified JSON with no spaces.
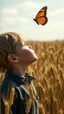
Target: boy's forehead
{"x":21,"y":42}
{"x":19,"y":45}
{"x":21,"y":39}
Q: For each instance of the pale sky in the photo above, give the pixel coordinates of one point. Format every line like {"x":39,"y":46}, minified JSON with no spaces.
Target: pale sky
{"x":17,"y":16}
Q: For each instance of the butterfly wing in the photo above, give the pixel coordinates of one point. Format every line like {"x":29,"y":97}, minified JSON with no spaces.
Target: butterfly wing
{"x":41,"y":16}
{"x":42,"y":20}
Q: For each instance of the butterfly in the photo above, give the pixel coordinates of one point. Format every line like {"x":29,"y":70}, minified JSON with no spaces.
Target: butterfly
{"x":41,"y":16}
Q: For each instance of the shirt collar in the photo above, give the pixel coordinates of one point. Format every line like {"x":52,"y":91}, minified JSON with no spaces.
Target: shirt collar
{"x":19,"y":79}
{"x":29,"y":77}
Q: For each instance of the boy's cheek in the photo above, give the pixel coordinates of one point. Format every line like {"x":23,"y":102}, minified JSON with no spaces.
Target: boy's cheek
{"x":27,"y":58}
{"x":26,"y":55}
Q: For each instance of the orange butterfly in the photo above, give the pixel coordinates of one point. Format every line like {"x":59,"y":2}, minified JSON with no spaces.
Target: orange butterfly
{"x":41,"y":16}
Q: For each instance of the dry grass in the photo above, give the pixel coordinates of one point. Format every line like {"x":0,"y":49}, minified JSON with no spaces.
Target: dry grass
{"x":49,"y":74}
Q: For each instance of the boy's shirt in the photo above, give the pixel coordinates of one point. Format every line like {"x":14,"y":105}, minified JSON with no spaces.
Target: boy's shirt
{"x":22,"y":94}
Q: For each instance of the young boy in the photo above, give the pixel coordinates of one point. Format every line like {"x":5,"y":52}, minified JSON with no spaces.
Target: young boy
{"x":18,"y":94}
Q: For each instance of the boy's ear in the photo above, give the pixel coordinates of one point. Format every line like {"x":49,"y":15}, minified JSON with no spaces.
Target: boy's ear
{"x":12,"y":58}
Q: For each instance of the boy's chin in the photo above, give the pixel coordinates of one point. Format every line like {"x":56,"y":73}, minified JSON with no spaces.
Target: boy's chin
{"x":35,"y":59}
{"x":30,"y":62}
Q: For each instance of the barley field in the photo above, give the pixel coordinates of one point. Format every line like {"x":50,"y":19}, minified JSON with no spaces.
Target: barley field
{"x":49,"y":76}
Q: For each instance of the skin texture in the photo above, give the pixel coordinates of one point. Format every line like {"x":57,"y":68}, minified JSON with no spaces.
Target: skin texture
{"x":24,"y":56}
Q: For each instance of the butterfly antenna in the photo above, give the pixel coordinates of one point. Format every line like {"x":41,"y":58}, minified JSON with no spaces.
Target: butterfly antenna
{"x":32,"y":16}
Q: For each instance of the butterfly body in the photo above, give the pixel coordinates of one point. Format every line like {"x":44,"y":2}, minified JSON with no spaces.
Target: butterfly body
{"x":41,"y":16}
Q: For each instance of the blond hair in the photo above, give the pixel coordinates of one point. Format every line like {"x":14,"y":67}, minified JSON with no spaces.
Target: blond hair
{"x":8,"y":42}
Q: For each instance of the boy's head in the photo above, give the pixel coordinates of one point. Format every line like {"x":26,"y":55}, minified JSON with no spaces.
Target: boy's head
{"x":14,"y":52}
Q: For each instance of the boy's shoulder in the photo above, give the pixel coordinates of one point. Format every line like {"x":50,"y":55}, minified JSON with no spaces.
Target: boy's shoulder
{"x":7,"y":85}
{"x":10,"y":79}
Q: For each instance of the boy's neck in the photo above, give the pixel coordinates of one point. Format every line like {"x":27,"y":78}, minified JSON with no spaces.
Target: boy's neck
{"x":20,"y":71}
